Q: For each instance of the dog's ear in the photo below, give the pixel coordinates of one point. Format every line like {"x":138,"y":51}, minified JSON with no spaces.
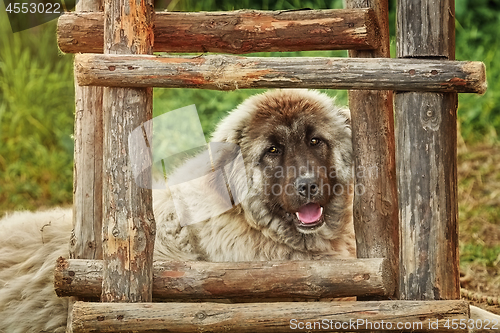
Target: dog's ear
{"x":227,"y":158}
{"x":343,"y":154}
{"x":231,"y":128}
{"x":345,"y":113}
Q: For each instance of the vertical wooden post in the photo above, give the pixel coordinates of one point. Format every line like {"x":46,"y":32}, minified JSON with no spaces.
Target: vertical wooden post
{"x":86,"y":239}
{"x":129,"y":226}
{"x":376,"y":207}
{"x":427,"y":159}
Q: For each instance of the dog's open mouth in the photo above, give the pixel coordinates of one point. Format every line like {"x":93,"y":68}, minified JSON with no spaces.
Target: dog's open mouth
{"x":310,"y":216}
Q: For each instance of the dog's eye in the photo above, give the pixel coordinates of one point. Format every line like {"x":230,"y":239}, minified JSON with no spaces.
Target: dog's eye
{"x":273,"y":150}
{"x":315,"y":141}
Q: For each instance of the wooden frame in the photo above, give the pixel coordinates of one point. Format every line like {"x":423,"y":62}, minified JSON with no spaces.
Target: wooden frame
{"x":86,"y":237}
{"x":426,"y":129}
{"x":128,"y":225}
{"x":376,"y":221}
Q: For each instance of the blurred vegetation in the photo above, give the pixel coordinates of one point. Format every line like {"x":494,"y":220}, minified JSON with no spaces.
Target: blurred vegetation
{"x":36,"y":119}
{"x":478,"y":38}
{"x":480,"y":254}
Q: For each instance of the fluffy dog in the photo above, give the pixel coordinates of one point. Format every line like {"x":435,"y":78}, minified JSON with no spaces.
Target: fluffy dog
{"x":290,"y":198}
{"x":296,"y":148}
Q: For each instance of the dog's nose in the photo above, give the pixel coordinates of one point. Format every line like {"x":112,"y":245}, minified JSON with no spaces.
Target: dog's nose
{"x":307,"y":186}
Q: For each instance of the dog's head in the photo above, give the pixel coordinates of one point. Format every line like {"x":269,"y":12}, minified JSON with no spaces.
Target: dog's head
{"x":296,"y":146}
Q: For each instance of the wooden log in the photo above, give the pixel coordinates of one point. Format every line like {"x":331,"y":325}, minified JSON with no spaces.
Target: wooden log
{"x":429,"y":27}
{"x":427,"y":167}
{"x":427,"y":160}
{"x":86,"y":237}
{"x":232,"y":72}
{"x":375,"y":210}
{"x":236,"y":32}
{"x":129,"y":227}
{"x":421,"y":316}
{"x":78,"y":277}
{"x":241,"y":281}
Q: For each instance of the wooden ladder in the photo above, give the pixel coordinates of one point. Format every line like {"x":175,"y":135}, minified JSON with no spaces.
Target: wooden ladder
{"x":407,"y":271}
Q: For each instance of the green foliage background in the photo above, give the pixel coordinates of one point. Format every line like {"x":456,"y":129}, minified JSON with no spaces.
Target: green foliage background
{"x":37,"y":96}
{"x":36,"y":119}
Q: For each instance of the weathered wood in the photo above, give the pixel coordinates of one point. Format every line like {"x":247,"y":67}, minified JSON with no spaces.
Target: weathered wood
{"x":426,"y":29}
{"x":427,"y":168}
{"x":129,"y":226}
{"x":86,"y":237}
{"x":269,"y":317}
{"x":233,"y":72}
{"x":427,"y":161}
{"x":236,"y":32}
{"x":376,"y":209}
{"x":241,"y":281}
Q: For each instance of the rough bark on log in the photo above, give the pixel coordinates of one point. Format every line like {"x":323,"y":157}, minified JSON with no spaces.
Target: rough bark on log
{"x":426,"y":29}
{"x":129,"y":228}
{"x":234,"y":32}
{"x":420,"y":316}
{"x":427,"y":137}
{"x":241,"y":281}
{"x":232,"y":72}
{"x":376,"y":209}
{"x":427,"y":160}
{"x":86,"y":237}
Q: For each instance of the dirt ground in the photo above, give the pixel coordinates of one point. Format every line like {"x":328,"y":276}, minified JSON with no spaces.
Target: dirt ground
{"x":479,"y":220}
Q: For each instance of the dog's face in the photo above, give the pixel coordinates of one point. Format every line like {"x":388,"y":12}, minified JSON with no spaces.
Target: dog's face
{"x":296,"y":161}
{"x":297,"y":151}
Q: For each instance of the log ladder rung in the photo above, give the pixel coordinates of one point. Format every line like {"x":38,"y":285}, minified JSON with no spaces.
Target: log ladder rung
{"x":235,"y":32}
{"x":221,"y":72}
{"x":432,"y":316}
{"x":311,"y":279}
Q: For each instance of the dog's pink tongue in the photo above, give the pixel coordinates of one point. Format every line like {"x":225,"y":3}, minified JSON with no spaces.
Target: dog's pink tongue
{"x":310,"y":213}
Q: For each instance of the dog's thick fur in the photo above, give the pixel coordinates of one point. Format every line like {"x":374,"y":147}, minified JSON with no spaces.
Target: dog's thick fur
{"x":277,"y":132}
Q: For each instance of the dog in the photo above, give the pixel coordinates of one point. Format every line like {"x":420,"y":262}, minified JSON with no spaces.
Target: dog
{"x":278,"y":187}
{"x":297,"y":160}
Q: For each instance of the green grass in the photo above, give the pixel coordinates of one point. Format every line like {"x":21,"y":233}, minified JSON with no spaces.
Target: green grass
{"x":478,"y":38}
{"x":36,"y":117}
{"x":486,"y":255}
